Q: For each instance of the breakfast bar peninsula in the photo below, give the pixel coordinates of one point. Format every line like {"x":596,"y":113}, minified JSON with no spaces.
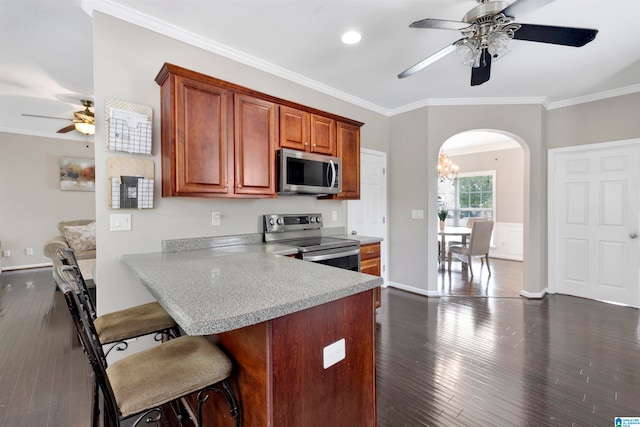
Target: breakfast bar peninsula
{"x":301,"y":334}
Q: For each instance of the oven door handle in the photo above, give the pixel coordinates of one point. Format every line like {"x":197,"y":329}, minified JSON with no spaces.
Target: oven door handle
{"x":325,"y":257}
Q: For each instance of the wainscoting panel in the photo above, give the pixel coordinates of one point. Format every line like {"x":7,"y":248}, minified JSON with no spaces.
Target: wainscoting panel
{"x":507,"y":241}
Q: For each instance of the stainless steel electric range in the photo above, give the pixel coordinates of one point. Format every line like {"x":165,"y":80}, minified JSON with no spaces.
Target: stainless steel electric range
{"x":305,"y":233}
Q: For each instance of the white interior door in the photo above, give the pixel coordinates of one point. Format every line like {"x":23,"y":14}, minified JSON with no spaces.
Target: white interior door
{"x":594,"y":222}
{"x":368,"y":216}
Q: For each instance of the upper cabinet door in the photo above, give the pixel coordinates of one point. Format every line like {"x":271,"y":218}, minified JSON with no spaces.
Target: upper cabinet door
{"x":200,"y":135}
{"x":255,"y":132}
{"x":304,"y":131}
{"x":348,"y":149}
{"x":294,"y":128}
{"x":323,"y":135}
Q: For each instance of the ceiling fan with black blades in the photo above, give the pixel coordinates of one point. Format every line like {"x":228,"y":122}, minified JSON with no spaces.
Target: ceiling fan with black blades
{"x":487,"y":30}
{"x":83,"y":121}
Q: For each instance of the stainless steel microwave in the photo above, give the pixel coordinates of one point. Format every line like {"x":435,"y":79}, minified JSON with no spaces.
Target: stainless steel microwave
{"x":300,"y":172}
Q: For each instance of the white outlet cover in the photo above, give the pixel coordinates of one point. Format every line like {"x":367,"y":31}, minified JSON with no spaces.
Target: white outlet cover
{"x":333,"y":353}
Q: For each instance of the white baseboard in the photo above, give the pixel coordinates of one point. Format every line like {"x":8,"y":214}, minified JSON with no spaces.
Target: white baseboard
{"x":414,"y":290}
{"x":26,"y":266}
{"x":534,"y":295}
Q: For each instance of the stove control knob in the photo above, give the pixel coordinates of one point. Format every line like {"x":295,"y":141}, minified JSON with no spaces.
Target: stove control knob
{"x":272,"y":221}
{"x":318,"y":219}
{"x":312,"y":219}
{"x":280,"y":221}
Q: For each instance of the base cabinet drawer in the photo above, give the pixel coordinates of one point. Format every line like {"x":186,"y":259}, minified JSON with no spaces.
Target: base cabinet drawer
{"x":370,"y":264}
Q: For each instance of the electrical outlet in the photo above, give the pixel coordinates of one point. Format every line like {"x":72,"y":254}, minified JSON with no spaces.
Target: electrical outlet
{"x":215,"y":218}
{"x":28,"y":251}
{"x":417,"y":214}
{"x":6,"y":253}
{"x":334,"y":215}
{"x":333,"y":353}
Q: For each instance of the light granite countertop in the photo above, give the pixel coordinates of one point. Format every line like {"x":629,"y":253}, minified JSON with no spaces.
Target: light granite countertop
{"x":209,"y":291}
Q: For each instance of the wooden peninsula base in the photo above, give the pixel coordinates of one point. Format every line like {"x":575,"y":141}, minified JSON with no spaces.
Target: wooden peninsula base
{"x":279,"y":374}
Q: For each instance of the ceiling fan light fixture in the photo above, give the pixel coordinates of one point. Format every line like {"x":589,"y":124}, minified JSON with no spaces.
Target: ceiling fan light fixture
{"x":498,"y":44}
{"x":85,"y":128}
{"x":469,"y":52}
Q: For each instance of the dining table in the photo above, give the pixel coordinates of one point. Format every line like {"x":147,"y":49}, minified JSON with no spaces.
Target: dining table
{"x":448,"y":230}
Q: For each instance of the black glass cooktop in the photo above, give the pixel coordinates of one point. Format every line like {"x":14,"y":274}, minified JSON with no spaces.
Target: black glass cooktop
{"x":319,"y":243}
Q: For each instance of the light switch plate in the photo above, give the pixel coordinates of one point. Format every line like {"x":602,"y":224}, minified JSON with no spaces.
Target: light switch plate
{"x":417,"y":214}
{"x":333,"y":353}
{"x":120,"y":222}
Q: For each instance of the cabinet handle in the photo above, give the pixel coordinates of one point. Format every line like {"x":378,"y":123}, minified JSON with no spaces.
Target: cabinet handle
{"x":369,"y":252}
{"x":306,"y":143}
{"x":239,"y":186}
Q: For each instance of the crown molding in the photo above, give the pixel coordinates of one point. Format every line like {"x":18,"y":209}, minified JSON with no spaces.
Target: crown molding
{"x":627,"y":90}
{"x":167,"y":29}
{"x":170,"y":30}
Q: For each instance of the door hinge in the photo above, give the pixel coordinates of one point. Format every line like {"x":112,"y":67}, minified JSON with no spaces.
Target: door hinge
{"x":384,"y":220}
{"x":384,"y":171}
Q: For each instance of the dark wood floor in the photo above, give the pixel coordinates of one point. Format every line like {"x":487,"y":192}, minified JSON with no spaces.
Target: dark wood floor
{"x":44,"y":374}
{"x":505,"y":279}
{"x":451,"y":361}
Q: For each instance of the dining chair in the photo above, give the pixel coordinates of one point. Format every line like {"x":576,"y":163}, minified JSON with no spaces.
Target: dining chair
{"x":479,"y":245}
{"x":470,"y":223}
{"x":140,"y":384}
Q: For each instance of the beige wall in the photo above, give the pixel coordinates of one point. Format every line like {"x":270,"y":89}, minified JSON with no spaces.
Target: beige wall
{"x":127,"y":59}
{"x":32,"y":203}
{"x":611,"y":119}
{"x":420,"y":134}
{"x":508,"y":164}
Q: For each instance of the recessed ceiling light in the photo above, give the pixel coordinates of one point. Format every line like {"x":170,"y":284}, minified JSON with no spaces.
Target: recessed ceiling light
{"x":351,"y":37}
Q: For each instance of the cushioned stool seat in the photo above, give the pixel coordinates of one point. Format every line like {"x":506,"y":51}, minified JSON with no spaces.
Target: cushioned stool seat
{"x":132,"y":322}
{"x":187,"y":364}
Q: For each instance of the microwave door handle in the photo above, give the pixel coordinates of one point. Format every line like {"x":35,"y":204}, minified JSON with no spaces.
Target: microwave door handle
{"x":333,"y":173}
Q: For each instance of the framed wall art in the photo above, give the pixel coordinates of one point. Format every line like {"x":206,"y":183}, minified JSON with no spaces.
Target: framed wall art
{"x":77,"y":174}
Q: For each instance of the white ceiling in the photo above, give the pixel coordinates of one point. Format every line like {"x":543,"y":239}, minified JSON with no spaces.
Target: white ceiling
{"x":46,"y":51}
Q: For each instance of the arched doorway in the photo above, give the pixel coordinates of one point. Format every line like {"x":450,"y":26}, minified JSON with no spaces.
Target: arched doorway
{"x":490,"y":184}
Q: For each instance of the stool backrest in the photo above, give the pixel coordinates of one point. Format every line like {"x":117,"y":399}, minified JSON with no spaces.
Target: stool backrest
{"x":68,"y":257}
{"x":67,"y":282}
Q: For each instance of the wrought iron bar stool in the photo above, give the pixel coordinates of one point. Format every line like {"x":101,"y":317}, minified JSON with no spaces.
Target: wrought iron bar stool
{"x":138,"y":385}
{"x":113,"y":329}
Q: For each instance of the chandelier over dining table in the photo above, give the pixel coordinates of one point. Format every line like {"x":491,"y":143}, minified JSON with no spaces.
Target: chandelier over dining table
{"x":447,"y":170}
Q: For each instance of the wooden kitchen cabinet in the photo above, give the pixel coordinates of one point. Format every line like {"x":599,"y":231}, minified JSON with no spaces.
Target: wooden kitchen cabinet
{"x":370,"y":264}
{"x":348,"y":149}
{"x":220,"y":139}
{"x":255,"y":138}
{"x":305,"y":131}
{"x":194,"y":137}
{"x":216,"y":141}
